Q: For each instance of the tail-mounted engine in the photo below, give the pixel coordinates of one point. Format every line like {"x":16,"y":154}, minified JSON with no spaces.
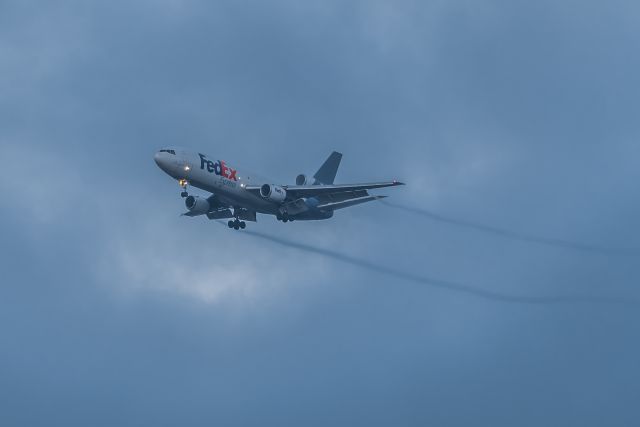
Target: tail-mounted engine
{"x":273,"y":193}
{"x":197,"y":205}
{"x":301,"y":180}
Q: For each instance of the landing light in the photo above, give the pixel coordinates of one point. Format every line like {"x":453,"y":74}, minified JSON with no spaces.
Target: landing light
{"x":186,"y":168}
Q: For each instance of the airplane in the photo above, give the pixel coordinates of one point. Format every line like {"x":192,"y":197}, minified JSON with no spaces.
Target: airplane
{"x":241,"y":196}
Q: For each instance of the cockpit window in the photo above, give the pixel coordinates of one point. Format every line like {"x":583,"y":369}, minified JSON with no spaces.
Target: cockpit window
{"x":168,"y":151}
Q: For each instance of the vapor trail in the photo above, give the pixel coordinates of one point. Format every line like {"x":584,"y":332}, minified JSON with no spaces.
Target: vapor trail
{"x":514,"y":235}
{"x":440,"y":283}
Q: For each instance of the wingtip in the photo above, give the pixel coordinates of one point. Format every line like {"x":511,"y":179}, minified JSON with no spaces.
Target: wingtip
{"x":396,"y":182}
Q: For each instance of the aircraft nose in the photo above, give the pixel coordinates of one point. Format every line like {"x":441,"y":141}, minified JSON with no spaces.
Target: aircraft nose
{"x":158,"y":158}
{"x":162,"y":161}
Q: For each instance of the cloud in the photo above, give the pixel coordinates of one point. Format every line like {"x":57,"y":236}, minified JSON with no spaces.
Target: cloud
{"x":165,"y":256}
{"x":42,"y":186}
{"x":516,"y":114}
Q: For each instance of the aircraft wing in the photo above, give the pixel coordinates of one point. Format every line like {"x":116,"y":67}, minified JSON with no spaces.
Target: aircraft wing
{"x":319,"y":190}
{"x":327,"y":197}
{"x":298,"y":191}
{"x":347,"y":203}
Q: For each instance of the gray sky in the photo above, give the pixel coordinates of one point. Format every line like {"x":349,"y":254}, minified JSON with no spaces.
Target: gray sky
{"x":520,"y":115}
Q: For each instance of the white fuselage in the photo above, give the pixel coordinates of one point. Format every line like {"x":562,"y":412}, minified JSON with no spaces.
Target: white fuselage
{"x":215,"y":176}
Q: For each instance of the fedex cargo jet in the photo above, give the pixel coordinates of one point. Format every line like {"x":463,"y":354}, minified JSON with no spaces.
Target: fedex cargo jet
{"x":240,"y":196}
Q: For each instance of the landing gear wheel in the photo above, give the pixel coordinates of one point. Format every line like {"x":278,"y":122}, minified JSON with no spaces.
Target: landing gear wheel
{"x":184,"y":194}
{"x":237,"y":224}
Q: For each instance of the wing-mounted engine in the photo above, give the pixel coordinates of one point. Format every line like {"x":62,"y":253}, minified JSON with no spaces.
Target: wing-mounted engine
{"x":197,"y":205}
{"x":273,"y":193}
{"x":301,"y":179}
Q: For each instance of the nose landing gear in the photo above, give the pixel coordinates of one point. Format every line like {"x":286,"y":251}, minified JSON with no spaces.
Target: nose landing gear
{"x":237,"y":224}
{"x":184,"y":183}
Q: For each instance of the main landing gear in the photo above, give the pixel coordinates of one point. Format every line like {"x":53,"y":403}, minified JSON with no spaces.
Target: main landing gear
{"x":184,"y":183}
{"x":237,"y":224}
{"x":284,"y":217}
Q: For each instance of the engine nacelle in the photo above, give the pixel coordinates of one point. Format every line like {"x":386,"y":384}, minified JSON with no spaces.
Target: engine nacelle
{"x":273,"y":193}
{"x":197,"y":205}
{"x":301,"y":180}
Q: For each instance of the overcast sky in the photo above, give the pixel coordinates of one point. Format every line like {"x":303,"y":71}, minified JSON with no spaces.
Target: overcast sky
{"x":521,"y":115}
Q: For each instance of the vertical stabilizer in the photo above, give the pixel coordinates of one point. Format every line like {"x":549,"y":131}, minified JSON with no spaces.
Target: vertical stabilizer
{"x":327,"y":172}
